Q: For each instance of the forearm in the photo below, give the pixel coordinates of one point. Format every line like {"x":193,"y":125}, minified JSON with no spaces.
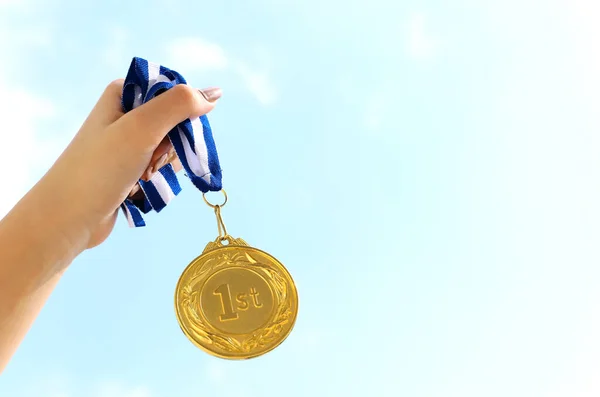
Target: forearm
{"x":37,"y":244}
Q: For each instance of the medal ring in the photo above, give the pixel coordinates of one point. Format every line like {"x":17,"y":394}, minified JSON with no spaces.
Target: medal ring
{"x":211,"y":205}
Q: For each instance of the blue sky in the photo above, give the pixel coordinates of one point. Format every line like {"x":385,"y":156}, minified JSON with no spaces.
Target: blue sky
{"x":428,"y":173}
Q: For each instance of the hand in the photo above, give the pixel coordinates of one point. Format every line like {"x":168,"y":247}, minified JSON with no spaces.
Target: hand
{"x":74,"y":206}
{"x":111,"y":152}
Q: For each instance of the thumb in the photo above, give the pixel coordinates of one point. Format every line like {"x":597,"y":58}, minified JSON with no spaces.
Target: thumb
{"x":149,"y":123}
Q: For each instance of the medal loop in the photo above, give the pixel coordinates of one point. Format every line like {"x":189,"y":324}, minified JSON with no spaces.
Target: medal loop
{"x":220,"y":224}
{"x":214,"y":206}
{"x":217,"y":207}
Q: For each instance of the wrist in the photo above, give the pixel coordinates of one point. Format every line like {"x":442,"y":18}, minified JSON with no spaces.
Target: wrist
{"x":49,"y":221}
{"x":31,"y":250}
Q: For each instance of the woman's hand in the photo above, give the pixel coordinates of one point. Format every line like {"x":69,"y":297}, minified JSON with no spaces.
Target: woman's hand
{"x":74,"y":206}
{"x":103,"y":163}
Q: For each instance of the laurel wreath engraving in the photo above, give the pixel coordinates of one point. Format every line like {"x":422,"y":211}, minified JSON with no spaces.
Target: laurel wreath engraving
{"x":190,"y":301}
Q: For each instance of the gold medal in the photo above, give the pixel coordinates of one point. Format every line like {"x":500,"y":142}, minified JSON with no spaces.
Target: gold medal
{"x":235,"y":301}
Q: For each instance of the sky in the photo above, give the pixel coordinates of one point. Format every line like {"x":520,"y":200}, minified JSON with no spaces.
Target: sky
{"x":427,"y":171}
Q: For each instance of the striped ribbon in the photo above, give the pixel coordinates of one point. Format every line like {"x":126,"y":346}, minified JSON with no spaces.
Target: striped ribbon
{"x":199,"y":158}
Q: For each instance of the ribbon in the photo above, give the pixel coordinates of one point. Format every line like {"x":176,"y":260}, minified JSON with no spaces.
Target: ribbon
{"x":145,"y":80}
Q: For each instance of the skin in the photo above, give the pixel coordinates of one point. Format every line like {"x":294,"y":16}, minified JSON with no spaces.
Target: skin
{"x":64,"y":214}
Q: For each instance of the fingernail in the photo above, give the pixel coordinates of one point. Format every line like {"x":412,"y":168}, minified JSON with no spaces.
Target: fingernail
{"x":148,"y":173}
{"x":134,"y":190}
{"x":211,"y":94}
{"x":171,"y":156}
{"x":162,"y":160}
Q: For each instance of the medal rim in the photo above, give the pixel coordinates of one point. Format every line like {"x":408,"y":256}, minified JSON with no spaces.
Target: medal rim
{"x":245,"y":356}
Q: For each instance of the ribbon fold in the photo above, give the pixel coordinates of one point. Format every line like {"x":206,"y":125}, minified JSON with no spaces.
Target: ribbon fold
{"x":192,"y":140}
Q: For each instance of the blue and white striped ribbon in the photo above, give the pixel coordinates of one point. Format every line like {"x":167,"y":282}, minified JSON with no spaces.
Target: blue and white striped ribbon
{"x":199,"y":158}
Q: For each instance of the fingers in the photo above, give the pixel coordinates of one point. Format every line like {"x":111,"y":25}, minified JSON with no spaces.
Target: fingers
{"x":111,"y":98}
{"x":147,"y":125}
{"x":162,"y":155}
{"x":136,"y":192}
{"x":108,"y":108}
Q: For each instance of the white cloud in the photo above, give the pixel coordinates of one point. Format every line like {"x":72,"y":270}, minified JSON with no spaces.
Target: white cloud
{"x":115,"y":53}
{"x":259,"y":83}
{"x":419,"y":43}
{"x":198,"y":55}
{"x":21,"y":112}
{"x":373,"y":107}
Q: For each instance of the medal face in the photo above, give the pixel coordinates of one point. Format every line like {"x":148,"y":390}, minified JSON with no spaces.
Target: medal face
{"x":235,"y":301}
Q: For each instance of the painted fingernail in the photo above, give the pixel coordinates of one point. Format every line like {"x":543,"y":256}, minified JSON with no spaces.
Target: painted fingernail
{"x":211,"y":94}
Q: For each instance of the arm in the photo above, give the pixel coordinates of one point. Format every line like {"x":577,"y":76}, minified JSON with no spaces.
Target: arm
{"x":63,"y":215}
{"x":33,"y":256}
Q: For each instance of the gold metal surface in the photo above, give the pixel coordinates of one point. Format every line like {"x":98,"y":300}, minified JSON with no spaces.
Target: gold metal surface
{"x":235,"y":301}
{"x":211,"y":205}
